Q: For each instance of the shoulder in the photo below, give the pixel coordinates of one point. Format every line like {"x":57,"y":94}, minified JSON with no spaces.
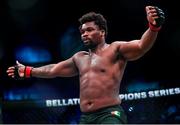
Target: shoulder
{"x":80,"y":54}
{"x":117,"y":44}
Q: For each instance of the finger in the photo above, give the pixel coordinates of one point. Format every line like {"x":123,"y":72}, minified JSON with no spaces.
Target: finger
{"x":151,"y":11}
{"x":149,"y":8}
{"x":19,"y":64}
{"x":12,"y":67}
{"x":9,"y":71}
{"x":155,"y":17}
{"x":10,"y":74}
{"x":152,"y":14}
{"x":154,"y":20}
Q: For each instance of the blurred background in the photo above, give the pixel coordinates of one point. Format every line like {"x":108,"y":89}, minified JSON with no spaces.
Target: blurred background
{"x":40,"y":32}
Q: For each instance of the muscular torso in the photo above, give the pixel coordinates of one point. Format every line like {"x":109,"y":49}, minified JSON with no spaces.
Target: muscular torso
{"x":100,"y":77}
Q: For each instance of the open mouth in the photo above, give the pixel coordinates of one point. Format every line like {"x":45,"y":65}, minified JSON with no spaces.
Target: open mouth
{"x":86,"y":41}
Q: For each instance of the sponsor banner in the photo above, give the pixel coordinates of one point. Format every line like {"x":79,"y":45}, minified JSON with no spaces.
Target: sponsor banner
{"x":123,"y":97}
{"x":62,"y":102}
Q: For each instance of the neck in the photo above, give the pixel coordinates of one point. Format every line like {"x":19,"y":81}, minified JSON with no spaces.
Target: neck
{"x":98,"y":48}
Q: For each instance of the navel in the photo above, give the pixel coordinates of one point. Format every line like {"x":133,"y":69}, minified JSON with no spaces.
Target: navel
{"x":102,"y":70}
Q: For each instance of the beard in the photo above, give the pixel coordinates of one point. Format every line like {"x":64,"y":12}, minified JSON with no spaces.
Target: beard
{"x":89,"y":45}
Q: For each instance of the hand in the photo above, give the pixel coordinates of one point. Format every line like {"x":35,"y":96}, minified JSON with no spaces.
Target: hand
{"x":155,"y":16}
{"x":16,"y":71}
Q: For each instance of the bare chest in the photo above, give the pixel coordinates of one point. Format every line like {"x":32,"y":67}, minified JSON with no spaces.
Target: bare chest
{"x":94,"y":63}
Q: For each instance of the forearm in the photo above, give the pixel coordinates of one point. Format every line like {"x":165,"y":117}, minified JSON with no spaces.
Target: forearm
{"x":155,"y":17}
{"x":147,"y":40}
{"x":43,"y":72}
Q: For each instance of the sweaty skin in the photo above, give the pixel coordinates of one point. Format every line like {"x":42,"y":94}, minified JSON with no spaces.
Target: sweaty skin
{"x":100,"y":76}
{"x":101,"y":68}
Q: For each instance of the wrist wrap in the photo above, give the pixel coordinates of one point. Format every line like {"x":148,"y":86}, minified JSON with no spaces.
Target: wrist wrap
{"x":154,"y":28}
{"x":27,"y":71}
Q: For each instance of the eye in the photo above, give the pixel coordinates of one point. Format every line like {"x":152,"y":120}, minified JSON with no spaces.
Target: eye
{"x":89,"y":30}
{"x":82,"y":31}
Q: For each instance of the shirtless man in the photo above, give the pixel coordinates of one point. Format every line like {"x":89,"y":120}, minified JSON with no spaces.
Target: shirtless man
{"x":101,"y":68}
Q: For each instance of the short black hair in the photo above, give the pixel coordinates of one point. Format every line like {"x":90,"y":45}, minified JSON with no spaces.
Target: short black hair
{"x":97,"y":18}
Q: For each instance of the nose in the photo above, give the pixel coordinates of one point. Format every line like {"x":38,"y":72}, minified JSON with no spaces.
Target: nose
{"x":85,"y":34}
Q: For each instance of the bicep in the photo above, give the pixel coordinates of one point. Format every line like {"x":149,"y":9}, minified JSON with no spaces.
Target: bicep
{"x":65,"y":68}
{"x":130,"y":50}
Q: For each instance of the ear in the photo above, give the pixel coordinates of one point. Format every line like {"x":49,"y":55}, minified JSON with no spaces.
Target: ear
{"x":102,"y":32}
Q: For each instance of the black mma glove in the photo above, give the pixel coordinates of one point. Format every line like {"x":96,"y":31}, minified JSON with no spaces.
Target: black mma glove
{"x":161,"y":19}
{"x":157,"y":15}
{"x":20,"y":74}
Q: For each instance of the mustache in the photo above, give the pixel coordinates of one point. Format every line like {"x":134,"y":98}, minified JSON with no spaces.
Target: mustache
{"x":85,"y":38}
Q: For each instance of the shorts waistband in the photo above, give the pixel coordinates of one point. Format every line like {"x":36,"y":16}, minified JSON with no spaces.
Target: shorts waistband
{"x":101,"y":109}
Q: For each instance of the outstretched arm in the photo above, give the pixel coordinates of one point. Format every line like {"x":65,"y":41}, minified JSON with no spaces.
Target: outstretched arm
{"x":133,"y":50}
{"x":65,"y":68}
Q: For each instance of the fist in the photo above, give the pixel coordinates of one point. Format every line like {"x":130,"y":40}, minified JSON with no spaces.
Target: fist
{"x":155,"y":16}
{"x":16,"y":71}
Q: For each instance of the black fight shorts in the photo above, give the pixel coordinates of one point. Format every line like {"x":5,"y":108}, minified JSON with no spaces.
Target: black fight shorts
{"x":108,"y":115}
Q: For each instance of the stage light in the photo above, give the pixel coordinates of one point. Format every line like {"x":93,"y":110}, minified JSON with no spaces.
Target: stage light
{"x":137,"y":86}
{"x":30,"y":54}
{"x":70,"y":43}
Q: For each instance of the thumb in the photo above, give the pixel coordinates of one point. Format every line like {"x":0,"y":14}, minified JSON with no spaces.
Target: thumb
{"x":19,"y":64}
